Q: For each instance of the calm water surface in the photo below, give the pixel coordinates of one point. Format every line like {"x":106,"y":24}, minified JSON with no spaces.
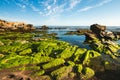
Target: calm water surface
{"x":75,"y":39}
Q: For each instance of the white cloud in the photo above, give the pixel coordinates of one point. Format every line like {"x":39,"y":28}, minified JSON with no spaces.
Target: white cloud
{"x":55,"y":10}
{"x":34,"y":8}
{"x":73,"y":3}
{"x":16,"y":19}
{"x":97,"y":5}
{"x":21,"y":6}
{"x":54,"y":2}
{"x":49,"y":7}
{"x":46,"y":3}
{"x":86,"y":8}
{"x":103,"y":2}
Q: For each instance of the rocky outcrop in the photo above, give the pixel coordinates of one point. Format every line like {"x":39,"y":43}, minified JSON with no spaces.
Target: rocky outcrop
{"x":101,"y":41}
{"x":96,"y":28}
{"x":44,"y":27}
{"x":99,"y":32}
{"x":15,"y":26}
{"x":78,"y":32}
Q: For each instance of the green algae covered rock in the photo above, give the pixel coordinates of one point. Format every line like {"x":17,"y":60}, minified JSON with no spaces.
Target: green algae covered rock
{"x":79,"y":53}
{"x":53,"y":63}
{"x":14,"y":61}
{"x":47,"y":55}
{"x":38,"y":73}
{"x":67,"y":53}
{"x":25,"y":52}
{"x":109,"y":48}
{"x":61,"y":72}
{"x":71,"y":63}
{"x":79,"y":68}
{"x":87,"y":73}
{"x":90,"y":54}
{"x":1,"y":43}
{"x":42,"y":59}
{"x":56,"y":59}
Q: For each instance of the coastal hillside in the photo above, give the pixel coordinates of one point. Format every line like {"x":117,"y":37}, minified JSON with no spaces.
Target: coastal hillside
{"x":15,"y":26}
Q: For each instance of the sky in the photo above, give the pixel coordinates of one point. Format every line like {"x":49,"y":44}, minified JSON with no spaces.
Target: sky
{"x":62,"y":12}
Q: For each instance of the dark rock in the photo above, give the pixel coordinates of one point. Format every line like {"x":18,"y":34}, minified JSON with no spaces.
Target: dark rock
{"x":96,"y":28}
{"x":109,"y":36}
{"x":90,"y":36}
{"x":78,"y":32}
{"x":83,"y":30}
{"x":102,"y":41}
{"x":44,"y":27}
{"x":117,"y":34}
{"x":108,"y":74}
{"x":98,"y":32}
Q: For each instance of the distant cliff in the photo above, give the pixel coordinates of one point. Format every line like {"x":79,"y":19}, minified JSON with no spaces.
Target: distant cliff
{"x":15,"y":26}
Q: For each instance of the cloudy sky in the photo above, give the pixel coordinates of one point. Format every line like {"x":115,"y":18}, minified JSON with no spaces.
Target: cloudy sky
{"x":61,"y":12}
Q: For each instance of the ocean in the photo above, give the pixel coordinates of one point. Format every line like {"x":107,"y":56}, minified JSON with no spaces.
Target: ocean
{"x":76,"y":39}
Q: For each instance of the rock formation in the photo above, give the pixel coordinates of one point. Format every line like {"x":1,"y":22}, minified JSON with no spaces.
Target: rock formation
{"x":15,"y":26}
{"x":99,"y":32}
{"x":102,"y":41}
{"x":44,"y":27}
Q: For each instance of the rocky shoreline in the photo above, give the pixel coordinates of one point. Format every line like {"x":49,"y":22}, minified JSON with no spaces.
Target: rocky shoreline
{"x":26,"y":56}
{"x":15,"y":26}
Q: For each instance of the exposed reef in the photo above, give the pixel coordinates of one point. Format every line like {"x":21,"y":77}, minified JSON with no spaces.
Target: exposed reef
{"x":99,"y":32}
{"x":30,"y":56}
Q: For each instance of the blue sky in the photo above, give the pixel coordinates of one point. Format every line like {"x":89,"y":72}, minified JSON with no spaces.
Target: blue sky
{"x":61,"y":12}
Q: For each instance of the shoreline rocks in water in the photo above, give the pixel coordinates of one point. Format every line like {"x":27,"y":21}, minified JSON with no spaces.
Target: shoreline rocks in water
{"x":15,"y":26}
{"x":23,"y":57}
{"x":78,"y":32}
{"x":99,"y":32}
{"x":103,"y":42}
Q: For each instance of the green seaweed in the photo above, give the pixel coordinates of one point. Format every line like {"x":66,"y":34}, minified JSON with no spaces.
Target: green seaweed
{"x":38,"y":73}
{"x":25,"y":52}
{"x":87,"y":73}
{"x":53,"y":63}
{"x":54,"y":58}
{"x":79,"y":68}
{"x":67,"y":53}
{"x":90,"y":54}
{"x":61,"y":72}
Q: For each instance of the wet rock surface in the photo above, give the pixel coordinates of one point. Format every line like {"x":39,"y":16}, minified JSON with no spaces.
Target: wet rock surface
{"x":25,"y":57}
{"x":103,"y":42}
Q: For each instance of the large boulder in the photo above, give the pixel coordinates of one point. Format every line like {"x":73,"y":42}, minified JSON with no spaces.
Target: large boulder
{"x":96,"y":28}
{"x":99,"y":32}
